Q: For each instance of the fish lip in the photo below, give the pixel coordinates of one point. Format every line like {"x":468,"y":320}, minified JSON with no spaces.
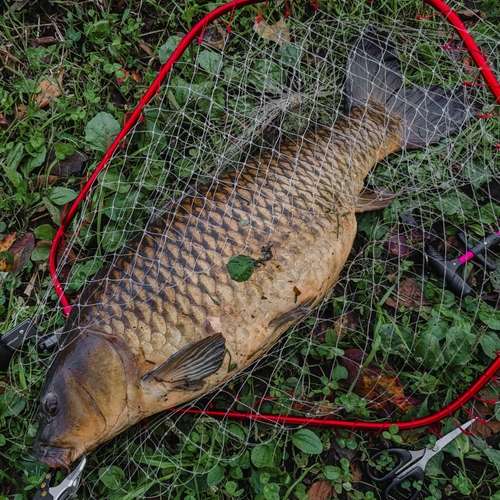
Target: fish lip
{"x":53,"y":456}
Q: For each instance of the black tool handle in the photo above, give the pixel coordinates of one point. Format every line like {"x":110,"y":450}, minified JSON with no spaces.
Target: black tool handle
{"x":43,"y":491}
{"x":403,"y":456}
{"x":5,"y":357}
{"x":479,"y":249}
{"x":416,"y":474}
{"x":449,"y":271}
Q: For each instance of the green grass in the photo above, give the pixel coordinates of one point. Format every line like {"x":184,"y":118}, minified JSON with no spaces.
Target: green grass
{"x":436,"y":350}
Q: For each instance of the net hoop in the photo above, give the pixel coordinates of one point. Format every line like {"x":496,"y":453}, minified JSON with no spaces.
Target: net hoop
{"x":136,"y":116}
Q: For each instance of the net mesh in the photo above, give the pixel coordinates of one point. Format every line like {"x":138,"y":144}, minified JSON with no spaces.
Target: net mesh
{"x":390,"y":340}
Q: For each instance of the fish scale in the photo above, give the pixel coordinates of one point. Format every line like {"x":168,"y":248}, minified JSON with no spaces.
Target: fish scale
{"x":166,"y":323}
{"x":286,"y":208}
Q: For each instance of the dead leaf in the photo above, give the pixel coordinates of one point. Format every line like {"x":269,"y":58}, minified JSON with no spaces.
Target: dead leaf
{"x":4,"y":122}
{"x":72,"y":164}
{"x":379,"y":385}
{"x":21,"y":111}
{"x":19,"y":252}
{"x":45,"y":41}
{"x":409,"y":294}
{"x":128,"y":74}
{"x":357,"y":473}
{"x":277,"y":32}
{"x":471,"y":16}
{"x":50,"y":88}
{"x":146,"y":48}
{"x":321,"y":490}
{"x":215,"y":36}
{"x":487,"y":425}
{"x":7,"y":241}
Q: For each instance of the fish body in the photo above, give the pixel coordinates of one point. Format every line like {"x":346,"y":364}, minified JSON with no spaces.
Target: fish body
{"x":167,"y":323}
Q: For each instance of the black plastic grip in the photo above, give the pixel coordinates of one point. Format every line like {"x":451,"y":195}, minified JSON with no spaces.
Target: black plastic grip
{"x":5,"y":357}
{"x":479,"y":249}
{"x":449,"y":271}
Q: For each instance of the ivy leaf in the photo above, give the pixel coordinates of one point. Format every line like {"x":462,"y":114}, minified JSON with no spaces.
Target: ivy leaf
{"x":305,"y":440}
{"x":241,"y":267}
{"x":101,"y":131}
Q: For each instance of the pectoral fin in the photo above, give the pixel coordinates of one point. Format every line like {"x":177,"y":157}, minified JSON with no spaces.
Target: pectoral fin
{"x":373,"y":199}
{"x":189,"y":366}
{"x":290,"y":317}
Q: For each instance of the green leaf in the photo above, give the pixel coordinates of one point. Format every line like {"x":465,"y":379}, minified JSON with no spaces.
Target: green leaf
{"x":215,"y":476}
{"x":429,"y":350}
{"x":45,"y":232}
{"x":55,"y":213}
{"x":266,"y":76}
{"x":3,"y":441}
{"x":63,"y":150}
{"x":167,"y":49}
{"x":11,"y":404}
{"x":62,"y":195}
{"x":331,"y":473}
{"x":339,"y":373}
{"x":490,"y":317}
{"x":263,"y":456}
{"x":101,"y":131}
{"x":40,"y":252}
{"x":241,"y":267}
{"x":307,"y":441}
{"x":112,"y":477}
{"x":10,"y":166}
{"x":210,"y":61}
{"x":490,"y":342}
{"x":493,"y":456}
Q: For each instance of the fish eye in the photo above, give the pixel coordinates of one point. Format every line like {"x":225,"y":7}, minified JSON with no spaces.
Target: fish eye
{"x":50,"y":404}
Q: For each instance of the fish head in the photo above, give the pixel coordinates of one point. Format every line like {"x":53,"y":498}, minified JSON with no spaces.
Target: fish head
{"x":84,"y":398}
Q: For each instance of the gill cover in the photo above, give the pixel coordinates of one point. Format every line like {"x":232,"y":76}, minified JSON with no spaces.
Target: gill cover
{"x":83,"y":399}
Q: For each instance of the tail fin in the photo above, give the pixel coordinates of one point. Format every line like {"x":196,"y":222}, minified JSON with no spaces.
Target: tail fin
{"x":429,"y":114}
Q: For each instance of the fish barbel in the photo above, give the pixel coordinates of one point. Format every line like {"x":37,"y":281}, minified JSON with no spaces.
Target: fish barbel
{"x":166,"y":323}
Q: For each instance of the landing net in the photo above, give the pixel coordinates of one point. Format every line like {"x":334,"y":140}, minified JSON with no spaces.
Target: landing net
{"x":390,"y":341}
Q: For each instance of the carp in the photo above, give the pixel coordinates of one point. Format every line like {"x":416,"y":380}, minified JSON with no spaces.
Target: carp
{"x":166,"y":323}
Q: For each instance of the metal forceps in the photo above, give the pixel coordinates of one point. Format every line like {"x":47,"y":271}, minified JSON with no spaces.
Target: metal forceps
{"x":411,"y":464}
{"x":68,"y":485}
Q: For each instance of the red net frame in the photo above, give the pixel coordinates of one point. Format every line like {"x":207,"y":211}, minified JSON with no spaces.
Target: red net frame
{"x":490,"y":81}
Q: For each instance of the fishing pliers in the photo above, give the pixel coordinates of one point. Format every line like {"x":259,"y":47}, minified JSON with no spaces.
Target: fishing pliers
{"x":68,"y":486}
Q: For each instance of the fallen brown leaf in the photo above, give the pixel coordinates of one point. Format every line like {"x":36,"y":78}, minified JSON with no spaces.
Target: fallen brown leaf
{"x":409,"y":294}
{"x":146,"y":48}
{"x":21,"y":111}
{"x":50,"y":88}
{"x":129,"y":74}
{"x":45,"y":41}
{"x":277,"y":32}
{"x":72,"y":164}
{"x":471,"y":16}
{"x":486,"y":413}
{"x":19,"y":252}
{"x":215,"y":36}
{"x":357,"y":473}
{"x":379,"y":385}
{"x":7,"y":241}
{"x":321,"y":490}
{"x":4,"y":122}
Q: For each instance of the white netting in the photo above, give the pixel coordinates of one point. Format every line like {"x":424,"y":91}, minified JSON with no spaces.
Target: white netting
{"x":243,"y":93}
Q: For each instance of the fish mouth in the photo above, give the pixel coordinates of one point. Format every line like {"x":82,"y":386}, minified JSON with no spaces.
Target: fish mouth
{"x":53,"y":456}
